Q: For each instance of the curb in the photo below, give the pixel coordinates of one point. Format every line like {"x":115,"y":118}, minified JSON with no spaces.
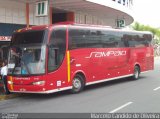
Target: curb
{"x":5,"y":97}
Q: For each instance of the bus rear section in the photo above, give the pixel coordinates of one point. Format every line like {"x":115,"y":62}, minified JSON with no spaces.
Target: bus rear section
{"x":47,"y":59}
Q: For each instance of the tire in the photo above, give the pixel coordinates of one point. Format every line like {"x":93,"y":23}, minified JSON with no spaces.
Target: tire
{"x":77,"y":84}
{"x":136,"y":73}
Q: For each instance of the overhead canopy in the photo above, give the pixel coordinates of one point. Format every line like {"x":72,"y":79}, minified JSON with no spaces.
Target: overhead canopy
{"x":99,"y":9}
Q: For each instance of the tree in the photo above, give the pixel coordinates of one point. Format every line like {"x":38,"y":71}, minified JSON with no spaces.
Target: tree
{"x":156,"y":33}
{"x":140,"y":27}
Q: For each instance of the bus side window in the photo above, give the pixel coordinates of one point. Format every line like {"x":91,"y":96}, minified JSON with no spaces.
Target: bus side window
{"x":56,"y":49}
{"x":77,"y":38}
{"x":51,"y":59}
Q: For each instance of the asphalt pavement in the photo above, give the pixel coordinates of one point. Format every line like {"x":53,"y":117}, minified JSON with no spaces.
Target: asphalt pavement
{"x":122,"y":95}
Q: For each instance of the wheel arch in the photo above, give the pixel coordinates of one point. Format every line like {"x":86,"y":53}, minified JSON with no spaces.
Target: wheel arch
{"x":138,"y":65}
{"x":79,"y":72}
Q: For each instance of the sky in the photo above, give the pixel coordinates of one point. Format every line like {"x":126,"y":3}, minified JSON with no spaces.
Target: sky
{"x":147,"y":12}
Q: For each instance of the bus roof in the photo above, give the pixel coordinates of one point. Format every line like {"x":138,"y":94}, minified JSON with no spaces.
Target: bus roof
{"x":43,"y":27}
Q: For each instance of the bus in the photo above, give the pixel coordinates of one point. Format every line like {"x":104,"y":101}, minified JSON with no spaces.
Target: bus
{"x":70,"y":56}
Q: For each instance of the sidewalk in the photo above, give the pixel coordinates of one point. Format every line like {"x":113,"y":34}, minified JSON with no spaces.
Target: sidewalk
{"x":156,"y":59}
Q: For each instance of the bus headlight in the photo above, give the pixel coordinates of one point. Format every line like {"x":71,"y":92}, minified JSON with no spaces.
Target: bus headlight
{"x":10,"y":82}
{"x":39,"y":83}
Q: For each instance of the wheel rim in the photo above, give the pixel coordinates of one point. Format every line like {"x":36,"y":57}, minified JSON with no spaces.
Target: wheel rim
{"x":77,"y":83}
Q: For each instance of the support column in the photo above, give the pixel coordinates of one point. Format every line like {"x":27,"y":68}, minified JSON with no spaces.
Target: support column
{"x":71,"y":16}
{"x":50,"y":15}
{"x":27,"y":15}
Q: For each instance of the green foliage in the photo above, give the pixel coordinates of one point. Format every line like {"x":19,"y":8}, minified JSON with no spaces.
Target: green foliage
{"x":140,"y":27}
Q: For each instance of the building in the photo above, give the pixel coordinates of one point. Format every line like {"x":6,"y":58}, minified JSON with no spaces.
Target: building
{"x":15,"y":14}
{"x":19,"y":13}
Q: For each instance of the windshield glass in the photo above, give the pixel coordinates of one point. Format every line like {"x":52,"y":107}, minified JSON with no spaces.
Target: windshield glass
{"x":25,"y":60}
{"x":28,"y":37}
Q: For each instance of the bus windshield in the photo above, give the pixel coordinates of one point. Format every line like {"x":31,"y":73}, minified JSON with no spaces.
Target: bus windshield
{"x":27,"y":54}
{"x":27,"y":60}
{"x":28,"y":37}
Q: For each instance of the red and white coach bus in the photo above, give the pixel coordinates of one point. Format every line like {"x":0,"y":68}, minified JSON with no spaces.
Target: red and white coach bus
{"x":47,"y":59}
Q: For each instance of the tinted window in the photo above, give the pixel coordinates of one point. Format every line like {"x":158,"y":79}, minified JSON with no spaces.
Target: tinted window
{"x":93,"y":39}
{"x":57,"y":48}
{"x":112,"y":39}
{"x":84,"y":38}
{"x":29,"y":37}
{"x":77,"y":38}
{"x":140,"y":40}
{"x":90,"y":38}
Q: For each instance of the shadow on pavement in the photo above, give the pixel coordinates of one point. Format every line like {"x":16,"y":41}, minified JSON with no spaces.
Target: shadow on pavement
{"x":64,"y":93}
{"x":111,"y":83}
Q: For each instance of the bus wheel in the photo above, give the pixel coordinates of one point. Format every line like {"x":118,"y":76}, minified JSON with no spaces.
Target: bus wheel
{"x":136,"y":73}
{"x":77,"y":84}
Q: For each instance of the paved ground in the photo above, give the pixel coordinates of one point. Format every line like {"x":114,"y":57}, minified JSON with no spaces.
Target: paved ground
{"x":122,"y":95}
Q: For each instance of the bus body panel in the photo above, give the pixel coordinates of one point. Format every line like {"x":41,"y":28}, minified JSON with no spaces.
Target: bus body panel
{"x":108,"y":62}
{"x":25,"y":84}
{"x":53,"y":80}
{"x":59,"y":78}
